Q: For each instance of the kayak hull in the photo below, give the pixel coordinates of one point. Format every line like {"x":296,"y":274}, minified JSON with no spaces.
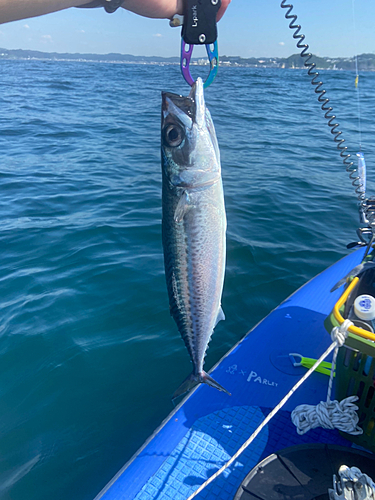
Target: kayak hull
{"x":208,"y":427}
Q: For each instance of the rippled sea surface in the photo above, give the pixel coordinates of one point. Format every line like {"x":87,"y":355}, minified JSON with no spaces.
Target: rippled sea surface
{"x":89,"y":355}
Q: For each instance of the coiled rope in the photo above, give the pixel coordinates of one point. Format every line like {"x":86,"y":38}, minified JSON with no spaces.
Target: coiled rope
{"x":338,"y":336}
{"x":330,"y":414}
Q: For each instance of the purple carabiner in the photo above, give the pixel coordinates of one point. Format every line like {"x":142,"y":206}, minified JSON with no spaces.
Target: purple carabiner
{"x":185,"y":61}
{"x":213,"y":57}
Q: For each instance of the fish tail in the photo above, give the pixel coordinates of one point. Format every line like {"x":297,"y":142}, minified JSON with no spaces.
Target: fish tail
{"x":189,"y":383}
{"x":192,"y":380}
{"x":206,"y":379}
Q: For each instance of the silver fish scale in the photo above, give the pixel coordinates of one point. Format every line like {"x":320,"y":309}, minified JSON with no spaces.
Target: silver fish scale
{"x":194,"y":258}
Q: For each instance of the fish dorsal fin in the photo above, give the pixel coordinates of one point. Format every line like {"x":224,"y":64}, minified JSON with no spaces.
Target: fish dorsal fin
{"x":183,"y":206}
{"x":220,"y":316}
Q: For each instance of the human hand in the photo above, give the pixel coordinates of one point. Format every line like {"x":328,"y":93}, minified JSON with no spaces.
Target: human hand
{"x":163,"y":9}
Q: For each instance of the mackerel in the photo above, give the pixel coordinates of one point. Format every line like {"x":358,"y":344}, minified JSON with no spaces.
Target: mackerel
{"x":193,"y":225}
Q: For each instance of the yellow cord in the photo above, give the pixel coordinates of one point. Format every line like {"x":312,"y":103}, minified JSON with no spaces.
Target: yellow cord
{"x":336,"y":312}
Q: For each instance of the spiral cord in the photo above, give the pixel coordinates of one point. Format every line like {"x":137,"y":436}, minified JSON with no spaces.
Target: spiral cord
{"x":323,"y":100}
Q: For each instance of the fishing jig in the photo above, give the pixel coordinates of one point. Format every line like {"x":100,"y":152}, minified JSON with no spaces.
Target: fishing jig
{"x":198,"y":28}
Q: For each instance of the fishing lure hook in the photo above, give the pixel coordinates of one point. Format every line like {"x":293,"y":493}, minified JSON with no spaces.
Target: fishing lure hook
{"x":213,"y":57}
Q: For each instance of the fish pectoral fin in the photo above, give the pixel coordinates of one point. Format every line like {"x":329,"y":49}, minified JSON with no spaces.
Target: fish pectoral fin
{"x":183,"y":205}
{"x":220,"y":316}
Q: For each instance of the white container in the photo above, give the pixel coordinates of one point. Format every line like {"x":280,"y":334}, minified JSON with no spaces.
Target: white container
{"x":364,"y":307}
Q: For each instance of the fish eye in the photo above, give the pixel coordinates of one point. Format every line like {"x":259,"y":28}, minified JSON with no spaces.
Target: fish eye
{"x":173,"y":135}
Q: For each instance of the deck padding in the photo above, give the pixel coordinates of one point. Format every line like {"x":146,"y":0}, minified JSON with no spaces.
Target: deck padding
{"x":210,"y":426}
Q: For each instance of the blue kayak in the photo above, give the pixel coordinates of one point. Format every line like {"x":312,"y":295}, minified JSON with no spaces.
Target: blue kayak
{"x":208,"y":427}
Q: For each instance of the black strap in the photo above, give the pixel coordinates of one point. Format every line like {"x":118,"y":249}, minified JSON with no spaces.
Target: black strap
{"x":109,"y":5}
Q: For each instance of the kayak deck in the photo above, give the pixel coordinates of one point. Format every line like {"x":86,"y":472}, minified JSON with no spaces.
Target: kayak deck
{"x":208,"y":427}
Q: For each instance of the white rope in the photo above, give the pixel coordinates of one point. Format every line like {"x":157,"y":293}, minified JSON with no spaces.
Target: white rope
{"x":330,"y":414}
{"x":337,"y":342}
{"x":333,"y":415}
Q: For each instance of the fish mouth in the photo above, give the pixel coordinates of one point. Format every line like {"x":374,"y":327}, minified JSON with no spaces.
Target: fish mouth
{"x":182,"y":103}
{"x":192,"y":105}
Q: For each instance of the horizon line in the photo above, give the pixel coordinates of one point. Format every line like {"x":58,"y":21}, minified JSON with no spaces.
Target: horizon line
{"x":177,"y":56}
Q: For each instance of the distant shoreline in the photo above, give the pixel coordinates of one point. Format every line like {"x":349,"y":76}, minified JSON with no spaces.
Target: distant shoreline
{"x":366,"y":62}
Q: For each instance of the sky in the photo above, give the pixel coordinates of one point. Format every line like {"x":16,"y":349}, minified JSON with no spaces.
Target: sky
{"x":250,"y":28}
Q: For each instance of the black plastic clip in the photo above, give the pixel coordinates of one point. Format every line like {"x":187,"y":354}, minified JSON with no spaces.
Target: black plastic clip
{"x":199,"y":26}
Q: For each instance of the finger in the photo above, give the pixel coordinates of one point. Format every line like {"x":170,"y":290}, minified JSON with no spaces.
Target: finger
{"x":160,"y":9}
{"x":223,"y":8}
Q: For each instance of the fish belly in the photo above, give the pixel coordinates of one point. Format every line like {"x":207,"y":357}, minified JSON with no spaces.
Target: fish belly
{"x":194,"y":258}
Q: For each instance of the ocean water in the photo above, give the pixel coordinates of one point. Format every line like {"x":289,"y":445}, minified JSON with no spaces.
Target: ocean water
{"x":89,"y":355}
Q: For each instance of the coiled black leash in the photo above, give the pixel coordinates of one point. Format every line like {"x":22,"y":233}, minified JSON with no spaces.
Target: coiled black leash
{"x":323,"y":100}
